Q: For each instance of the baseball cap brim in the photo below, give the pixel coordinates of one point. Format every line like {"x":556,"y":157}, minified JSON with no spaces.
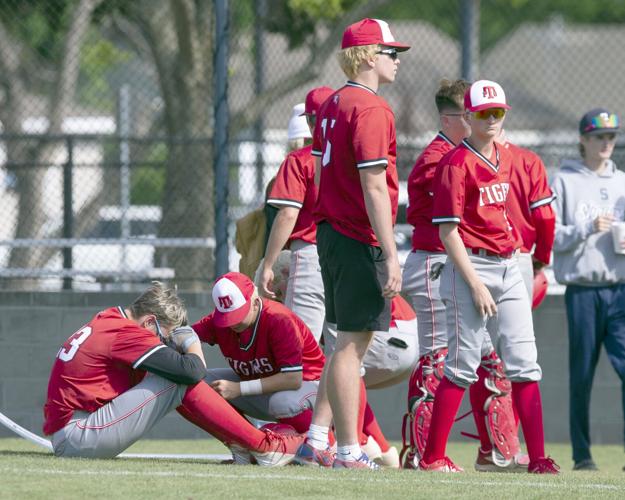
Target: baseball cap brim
{"x":604,"y":130}
{"x":228,"y":319}
{"x":488,"y":105}
{"x":399,"y":47}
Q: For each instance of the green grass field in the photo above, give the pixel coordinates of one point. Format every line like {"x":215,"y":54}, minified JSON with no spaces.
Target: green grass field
{"x":29,"y":472}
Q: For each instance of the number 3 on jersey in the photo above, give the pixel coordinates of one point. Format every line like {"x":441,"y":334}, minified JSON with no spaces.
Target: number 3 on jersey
{"x":327,"y":151}
{"x":74,"y":342}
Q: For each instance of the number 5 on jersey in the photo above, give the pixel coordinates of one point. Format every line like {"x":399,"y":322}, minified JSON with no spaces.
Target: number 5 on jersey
{"x":74,"y":342}
{"x":327,"y":151}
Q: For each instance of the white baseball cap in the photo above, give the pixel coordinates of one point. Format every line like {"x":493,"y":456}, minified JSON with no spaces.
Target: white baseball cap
{"x":485,"y":94}
{"x":298,"y":127}
{"x":232,"y":295}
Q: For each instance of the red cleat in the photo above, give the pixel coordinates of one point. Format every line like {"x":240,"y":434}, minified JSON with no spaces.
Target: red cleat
{"x":441,"y":465}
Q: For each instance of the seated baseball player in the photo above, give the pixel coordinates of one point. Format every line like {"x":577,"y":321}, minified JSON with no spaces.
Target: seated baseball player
{"x":275,"y":361}
{"x":123,"y":371}
{"x":390,"y":359}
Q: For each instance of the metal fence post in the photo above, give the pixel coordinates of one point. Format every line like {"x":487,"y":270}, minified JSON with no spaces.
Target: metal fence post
{"x":259,"y":85}
{"x":220,"y":135}
{"x":470,"y":30}
{"x":68,"y":213}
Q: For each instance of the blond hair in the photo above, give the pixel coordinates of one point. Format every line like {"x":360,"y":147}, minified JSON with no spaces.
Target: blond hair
{"x":163,"y":303}
{"x":351,"y":58}
{"x":298,"y":143}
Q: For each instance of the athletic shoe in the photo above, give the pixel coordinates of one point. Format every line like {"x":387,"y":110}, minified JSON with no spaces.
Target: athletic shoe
{"x":441,"y":465}
{"x":486,"y":463}
{"x":588,"y":464}
{"x":240,"y":455}
{"x":277,"y":449}
{"x":362,"y":462}
{"x":309,"y":455}
{"x":388,"y":459}
{"x":544,"y":465}
{"x":371,"y":448}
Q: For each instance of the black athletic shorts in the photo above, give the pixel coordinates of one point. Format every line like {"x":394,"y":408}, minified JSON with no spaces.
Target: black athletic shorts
{"x":353,"y":275}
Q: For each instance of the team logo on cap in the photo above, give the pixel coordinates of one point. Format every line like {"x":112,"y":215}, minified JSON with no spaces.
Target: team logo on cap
{"x":225,"y":302}
{"x":227,"y":296}
{"x":489,"y":92}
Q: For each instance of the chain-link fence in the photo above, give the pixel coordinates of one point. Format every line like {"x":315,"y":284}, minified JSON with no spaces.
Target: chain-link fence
{"x":106,"y":107}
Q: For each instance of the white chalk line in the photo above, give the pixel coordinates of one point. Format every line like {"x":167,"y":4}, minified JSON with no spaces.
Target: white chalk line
{"x":374,"y":478}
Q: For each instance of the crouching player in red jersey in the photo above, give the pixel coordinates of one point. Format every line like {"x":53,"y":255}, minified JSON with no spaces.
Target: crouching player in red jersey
{"x":275,"y":361}
{"x":101,"y":400}
{"x":481,"y":284}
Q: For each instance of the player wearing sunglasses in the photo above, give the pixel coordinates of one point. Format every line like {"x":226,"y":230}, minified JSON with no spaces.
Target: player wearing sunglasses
{"x":481,"y":284}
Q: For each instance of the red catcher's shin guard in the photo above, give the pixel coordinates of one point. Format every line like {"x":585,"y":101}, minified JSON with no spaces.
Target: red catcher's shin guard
{"x":205,"y":408}
{"x":446,"y":404}
{"x":372,"y":428}
{"x":300,"y":422}
{"x":526,"y":396}
{"x":478,"y":394}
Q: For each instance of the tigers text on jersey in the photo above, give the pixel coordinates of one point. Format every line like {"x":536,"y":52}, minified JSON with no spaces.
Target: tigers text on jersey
{"x":277,"y":342}
{"x":471,"y":190}
{"x":420,"y":197}
{"x":95,"y":365}
{"x":295,"y":187}
{"x":355,"y":129}
{"x":530,"y":191}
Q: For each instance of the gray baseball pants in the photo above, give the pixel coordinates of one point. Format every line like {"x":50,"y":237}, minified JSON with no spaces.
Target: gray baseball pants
{"x":274,"y":406}
{"x":511,"y":329}
{"x":108,"y":431}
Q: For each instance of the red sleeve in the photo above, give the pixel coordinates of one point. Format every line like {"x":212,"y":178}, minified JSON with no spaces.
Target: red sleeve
{"x":205,"y":329}
{"x":449,"y":192}
{"x":540,"y":192}
{"x":371,"y":146}
{"x":133,"y":344}
{"x":289,"y":188}
{"x":286,"y":344}
{"x":544,"y":221}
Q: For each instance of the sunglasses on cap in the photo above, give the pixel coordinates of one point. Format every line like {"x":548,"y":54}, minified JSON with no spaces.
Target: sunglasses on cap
{"x":392,"y":53}
{"x":601,"y":121}
{"x":485,"y":114}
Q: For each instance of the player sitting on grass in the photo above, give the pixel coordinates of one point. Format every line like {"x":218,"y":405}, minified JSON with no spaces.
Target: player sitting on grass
{"x":275,"y":362}
{"x":118,"y":375}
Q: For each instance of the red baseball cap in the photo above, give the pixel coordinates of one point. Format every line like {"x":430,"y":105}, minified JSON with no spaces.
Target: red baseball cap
{"x":315,"y":98}
{"x":231,"y":294}
{"x":485,"y":94}
{"x":370,"y":32}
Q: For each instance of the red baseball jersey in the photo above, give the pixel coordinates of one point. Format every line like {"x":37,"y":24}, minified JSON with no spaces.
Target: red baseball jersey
{"x":471,"y":190}
{"x":420,"y":197}
{"x":277,"y":342}
{"x":295,"y":187}
{"x":529,"y":202}
{"x":95,"y":365}
{"x":355,"y":129}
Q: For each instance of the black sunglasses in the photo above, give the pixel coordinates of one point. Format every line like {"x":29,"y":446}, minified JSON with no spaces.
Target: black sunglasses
{"x":392,"y":53}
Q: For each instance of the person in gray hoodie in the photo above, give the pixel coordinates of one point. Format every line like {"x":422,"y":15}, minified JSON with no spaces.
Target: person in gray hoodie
{"x":590,"y":199}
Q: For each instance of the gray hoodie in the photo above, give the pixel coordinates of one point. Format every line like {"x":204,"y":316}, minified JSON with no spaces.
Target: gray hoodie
{"x":581,"y":256}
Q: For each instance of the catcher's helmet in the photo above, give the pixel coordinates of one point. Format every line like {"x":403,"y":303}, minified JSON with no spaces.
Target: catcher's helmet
{"x":540,"y":289}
